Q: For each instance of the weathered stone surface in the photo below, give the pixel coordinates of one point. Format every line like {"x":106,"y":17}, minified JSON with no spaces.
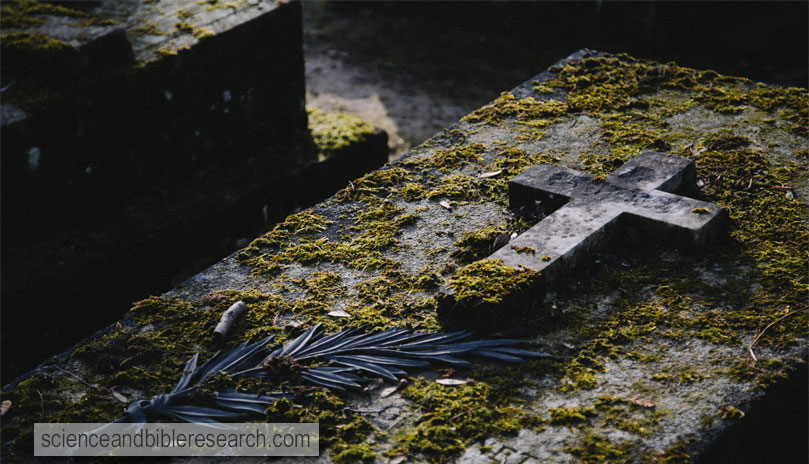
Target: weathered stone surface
{"x":651,"y":343}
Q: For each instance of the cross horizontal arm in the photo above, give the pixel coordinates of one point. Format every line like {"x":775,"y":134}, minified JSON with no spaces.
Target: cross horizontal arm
{"x":655,"y":171}
{"x":544,"y":182}
{"x":557,"y":243}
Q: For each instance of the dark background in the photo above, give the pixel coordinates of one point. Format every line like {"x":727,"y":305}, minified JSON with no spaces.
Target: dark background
{"x":475,"y":50}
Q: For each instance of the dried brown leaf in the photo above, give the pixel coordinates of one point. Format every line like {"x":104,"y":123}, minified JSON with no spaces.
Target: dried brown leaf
{"x":213,"y":298}
{"x":642,"y":402}
{"x":119,"y":396}
{"x":388,"y":391}
{"x":4,"y":407}
{"x":339,"y":313}
{"x":486,"y":175}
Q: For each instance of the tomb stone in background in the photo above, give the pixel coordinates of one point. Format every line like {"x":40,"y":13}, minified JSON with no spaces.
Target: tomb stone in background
{"x":141,"y":138}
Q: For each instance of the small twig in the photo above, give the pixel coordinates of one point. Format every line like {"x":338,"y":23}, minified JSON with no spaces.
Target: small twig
{"x":466,"y":412}
{"x":755,"y":340}
{"x":365,"y":411}
{"x":78,"y":378}
{"x":227,"y":320}
{"x":41,"y":402}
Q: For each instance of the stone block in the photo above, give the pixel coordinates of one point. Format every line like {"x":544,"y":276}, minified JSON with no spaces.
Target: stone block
{"x":127,"y":97}
{"x":146,"y":138}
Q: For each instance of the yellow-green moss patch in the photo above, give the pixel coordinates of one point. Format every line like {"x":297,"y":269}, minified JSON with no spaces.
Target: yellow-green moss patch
{"x":489,"y":281}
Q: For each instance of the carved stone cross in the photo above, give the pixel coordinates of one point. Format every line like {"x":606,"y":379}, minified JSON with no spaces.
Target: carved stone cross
{"x":643,"y":193}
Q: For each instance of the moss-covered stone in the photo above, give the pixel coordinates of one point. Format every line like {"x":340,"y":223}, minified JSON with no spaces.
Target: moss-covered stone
{"x":489,"y":281}
{"x":21,"y":14}
{"x":333,"y":132}
{"x":455,"y":417}
{"x":624,"y":384}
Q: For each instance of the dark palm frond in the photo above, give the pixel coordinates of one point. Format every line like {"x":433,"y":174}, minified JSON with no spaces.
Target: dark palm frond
{"x":354,"y":358}
{"x":333,"y":377}
{"x":386,"y":354}
{"x":232,"y":361}
{"x":233,"y":404}
{"x":247,"y":402}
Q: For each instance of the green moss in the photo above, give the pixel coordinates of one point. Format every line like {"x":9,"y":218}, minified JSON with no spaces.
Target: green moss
{"x":449,"y":157}
{"x":457,"y":187}
{"x":382,"y":211}
{"x":221,"y":5}
{"x":767,"y":226}
{"x":378,"y":226}
{"x":620,"y":413}
{"x":412,"y":191}
{"x":453,"y":417}
{"x":23,"y":42}
{"x":536,"y":113}
{"x":479,"y":243}
{"x":730,"y":412}
{"x":95,"y":21}
{"x":333,"y":132}
{"x":198,"y":32}
{"x":614,"y":89}
{"x":593,"y":448}
{"x":148,"y":28}
{"x":524,"y":249}
{"x":185,"y":13}
{"x":763,"y":373}
{"x":570,"y":415}
{"x":303,"y":224}
{"x":353,"y":453}
{"x":674,"y":454}
{"x":489,"y":281}
{"x":22,"y":14}
{"x":340,"y":429}
{"x":166,"y":51}
{"x":727,"y":142}
{"x":376,"y":182}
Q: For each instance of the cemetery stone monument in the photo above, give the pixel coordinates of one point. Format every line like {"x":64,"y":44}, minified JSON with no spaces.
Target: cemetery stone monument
{"x":658,"y":353}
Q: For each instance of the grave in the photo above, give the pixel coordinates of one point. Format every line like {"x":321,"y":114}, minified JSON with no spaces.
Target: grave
{"x":662,"y":352}
{"x":146,"y":138}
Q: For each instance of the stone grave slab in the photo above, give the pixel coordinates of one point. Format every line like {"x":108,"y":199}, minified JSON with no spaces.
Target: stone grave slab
{"x":660,"y":354}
